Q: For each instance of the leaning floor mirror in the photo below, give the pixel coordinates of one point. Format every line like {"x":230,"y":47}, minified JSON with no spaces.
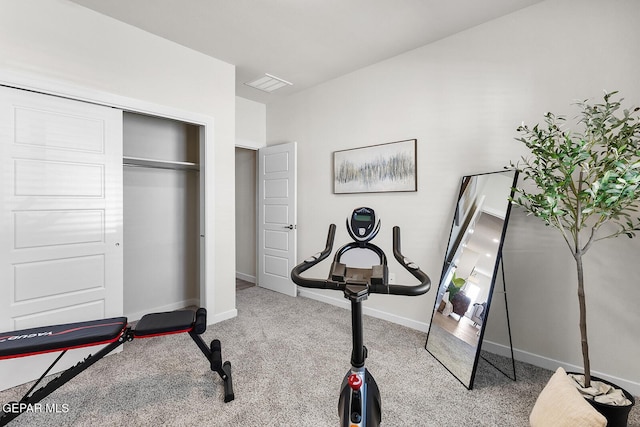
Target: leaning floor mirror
{"x":469,"y":272}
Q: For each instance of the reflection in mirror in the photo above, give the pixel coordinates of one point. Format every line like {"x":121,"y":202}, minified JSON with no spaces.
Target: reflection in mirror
{"x":469,"y":272}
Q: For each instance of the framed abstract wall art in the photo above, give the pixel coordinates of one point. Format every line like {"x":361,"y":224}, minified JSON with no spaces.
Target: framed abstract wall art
{"x":376,"y":168}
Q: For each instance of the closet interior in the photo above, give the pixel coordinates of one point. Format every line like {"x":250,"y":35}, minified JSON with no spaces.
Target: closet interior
{"x":161,"y":214}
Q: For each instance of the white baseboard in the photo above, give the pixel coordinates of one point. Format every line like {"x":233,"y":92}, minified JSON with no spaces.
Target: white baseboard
{"x":502,"y":350}
{"x":131,"y":317}
{"x":230,"y":314}
{"x":551,"y":364}
{"x":343,"y":303}
{"x":246,"y":277}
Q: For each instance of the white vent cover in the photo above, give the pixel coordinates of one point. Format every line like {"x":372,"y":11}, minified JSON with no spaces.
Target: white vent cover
{"x":268,"y":83}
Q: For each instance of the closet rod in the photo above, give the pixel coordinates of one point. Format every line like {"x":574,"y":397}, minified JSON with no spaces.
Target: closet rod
{"x":135,"y":165}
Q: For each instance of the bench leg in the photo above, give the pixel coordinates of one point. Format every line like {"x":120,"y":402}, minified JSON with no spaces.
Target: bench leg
{"x":214,"y":356}
{"x":223,"y":369}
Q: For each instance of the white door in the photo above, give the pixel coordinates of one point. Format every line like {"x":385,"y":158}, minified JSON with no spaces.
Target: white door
{"x":60,"y":218}
{"x":277,"y":217}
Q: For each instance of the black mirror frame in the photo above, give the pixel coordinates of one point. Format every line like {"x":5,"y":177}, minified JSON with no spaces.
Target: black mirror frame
{"x":498,"y":261}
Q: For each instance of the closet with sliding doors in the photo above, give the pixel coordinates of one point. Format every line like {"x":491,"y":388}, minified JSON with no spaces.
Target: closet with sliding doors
{"x":161,"y":214}
{"x":100,"y":216}
{"x":100,"y":208}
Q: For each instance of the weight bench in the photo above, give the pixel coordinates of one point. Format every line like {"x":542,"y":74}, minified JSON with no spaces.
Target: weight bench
{"x":113,"y":332}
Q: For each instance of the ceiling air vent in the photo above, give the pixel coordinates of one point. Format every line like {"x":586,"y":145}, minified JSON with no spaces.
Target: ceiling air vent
{"x":268,"y":83}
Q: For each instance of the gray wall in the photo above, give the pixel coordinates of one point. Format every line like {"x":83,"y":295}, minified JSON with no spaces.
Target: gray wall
{"x":251,"y":126}
{"x":462,"y":98}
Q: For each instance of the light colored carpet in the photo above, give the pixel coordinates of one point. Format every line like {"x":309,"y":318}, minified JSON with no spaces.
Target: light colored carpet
{"x":288,"y":356}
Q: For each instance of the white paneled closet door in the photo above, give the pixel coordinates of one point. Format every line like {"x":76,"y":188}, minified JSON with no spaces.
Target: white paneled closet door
{"x":61,"y":218}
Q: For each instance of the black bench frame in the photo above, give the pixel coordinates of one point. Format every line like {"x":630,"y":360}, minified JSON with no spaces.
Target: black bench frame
{"x":151,"y":325}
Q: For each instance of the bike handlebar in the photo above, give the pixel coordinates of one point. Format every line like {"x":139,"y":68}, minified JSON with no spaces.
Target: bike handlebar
{"x":410,"y":290}
{"x":313,"y":260}
{"x":411,"y":267}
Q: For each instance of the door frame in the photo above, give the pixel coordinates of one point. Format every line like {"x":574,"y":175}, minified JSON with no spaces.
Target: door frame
{"x":48,"y":86}
{"x":255,"y":147}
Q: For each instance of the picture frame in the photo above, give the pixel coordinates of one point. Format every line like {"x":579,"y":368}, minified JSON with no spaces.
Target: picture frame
{"x":389,"y":167}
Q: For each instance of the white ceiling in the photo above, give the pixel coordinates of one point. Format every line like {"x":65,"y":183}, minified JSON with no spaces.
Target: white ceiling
{"x":306,"y":42}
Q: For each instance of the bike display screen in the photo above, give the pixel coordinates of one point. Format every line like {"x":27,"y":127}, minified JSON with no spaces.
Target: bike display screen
{"x":362,"y":224}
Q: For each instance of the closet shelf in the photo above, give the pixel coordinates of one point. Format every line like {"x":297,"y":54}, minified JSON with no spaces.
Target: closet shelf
{"x":160,"y":164}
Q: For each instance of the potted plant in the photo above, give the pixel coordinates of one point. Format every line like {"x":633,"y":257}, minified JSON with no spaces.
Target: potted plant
{"x":455,"y":286}
{"x":582,"y":181}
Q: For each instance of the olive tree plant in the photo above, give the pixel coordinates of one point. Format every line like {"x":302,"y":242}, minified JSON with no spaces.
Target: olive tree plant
{"x":582,"y":181}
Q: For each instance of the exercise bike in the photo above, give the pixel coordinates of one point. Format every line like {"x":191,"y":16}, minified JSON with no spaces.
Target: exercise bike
{"x":360,"y":403}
